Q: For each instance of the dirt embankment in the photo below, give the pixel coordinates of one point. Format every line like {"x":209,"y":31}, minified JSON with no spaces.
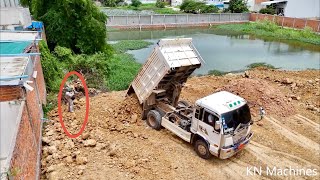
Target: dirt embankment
{"x":117,"y":144}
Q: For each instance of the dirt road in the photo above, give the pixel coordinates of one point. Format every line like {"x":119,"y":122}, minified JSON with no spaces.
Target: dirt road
{"x":117,"y":144}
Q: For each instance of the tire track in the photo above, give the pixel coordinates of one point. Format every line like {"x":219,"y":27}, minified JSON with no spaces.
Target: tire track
{"x":308,"y":122}
{"x":294,"y":136}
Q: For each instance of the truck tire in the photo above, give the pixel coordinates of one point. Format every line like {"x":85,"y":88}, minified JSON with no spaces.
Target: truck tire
{"x":202,"y":149}
{"x":183,"y":103}
{"x":154,"y":119}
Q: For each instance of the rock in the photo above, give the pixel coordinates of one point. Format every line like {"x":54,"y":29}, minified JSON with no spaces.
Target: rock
{"x":53,"y":176}
{"x":50,"y":133}
{"x":295,"y":97}
{"x":85,"y":136}
{"x":80,"y":172}
{"x":286,"y":81}
{"x":69,"y":144}
{"x":69,"y":159}
{"x":101,"y":146}
{"x":260,"y":123}
{"x":246,"y":74}
{"x":90,"y":142}
{"x":52,"y":149}
{"x":45,"y":140}
{"x":51,"y":168}
{"x":310,"y":81}
{"x":81,"y":160}
{"x":134,"y":118}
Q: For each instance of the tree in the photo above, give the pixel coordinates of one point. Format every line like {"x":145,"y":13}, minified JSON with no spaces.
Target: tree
{"x":238,"y":6}
{"x":136,"y":3}
{"x":160,"y":4}
{"x":75,"y":24}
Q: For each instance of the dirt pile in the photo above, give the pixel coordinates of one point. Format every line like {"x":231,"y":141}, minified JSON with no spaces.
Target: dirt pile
{"x":259,"y":93}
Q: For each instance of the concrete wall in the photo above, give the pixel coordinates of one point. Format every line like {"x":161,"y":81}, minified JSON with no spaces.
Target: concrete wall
{"x":175,"y":20}
{"x":9,"y":3}
{"x":11,"y":17}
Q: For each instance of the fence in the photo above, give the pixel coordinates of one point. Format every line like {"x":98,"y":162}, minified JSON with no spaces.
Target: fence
{"x":144,"y":21}
{"x":282,"y":21}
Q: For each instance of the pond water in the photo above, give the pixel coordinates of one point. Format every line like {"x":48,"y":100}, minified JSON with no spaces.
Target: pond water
{"x":229,"y":51}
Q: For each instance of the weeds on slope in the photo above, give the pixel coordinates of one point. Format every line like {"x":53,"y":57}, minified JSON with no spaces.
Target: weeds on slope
{"x":267,"y":28}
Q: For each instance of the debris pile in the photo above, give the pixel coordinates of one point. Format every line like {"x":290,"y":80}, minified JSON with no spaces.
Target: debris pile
{"x":259,"y":93}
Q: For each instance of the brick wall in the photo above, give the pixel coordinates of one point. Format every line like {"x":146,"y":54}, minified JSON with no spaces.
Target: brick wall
{"x":9,"y":93}
{"x":288,"y":21}
{"x":26,"y":155}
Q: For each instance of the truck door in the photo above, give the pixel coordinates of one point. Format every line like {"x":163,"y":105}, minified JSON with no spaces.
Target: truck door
{"x":206,"y":128}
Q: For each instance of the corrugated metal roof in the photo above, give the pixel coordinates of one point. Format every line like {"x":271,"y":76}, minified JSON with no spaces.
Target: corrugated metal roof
{"x":13,"y":66}
{"x":19,"y":35}
{"x":13,"y":47}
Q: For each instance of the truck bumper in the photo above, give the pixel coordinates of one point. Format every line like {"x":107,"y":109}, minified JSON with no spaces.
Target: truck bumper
{"x":228,"y":152}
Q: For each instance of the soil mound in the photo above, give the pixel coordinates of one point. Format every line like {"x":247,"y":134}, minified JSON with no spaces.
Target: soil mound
{"x":259,"y":93}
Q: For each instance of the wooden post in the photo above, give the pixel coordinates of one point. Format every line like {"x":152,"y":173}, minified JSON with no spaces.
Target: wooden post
{"x":139,"y":21}
{"x":319,"y":26}
{"x":151,"y":19}
{"x":274,"y":16}
{"x":282,"y":21}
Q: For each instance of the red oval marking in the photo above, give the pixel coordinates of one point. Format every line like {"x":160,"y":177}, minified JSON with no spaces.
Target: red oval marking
{"x":87,"y":104}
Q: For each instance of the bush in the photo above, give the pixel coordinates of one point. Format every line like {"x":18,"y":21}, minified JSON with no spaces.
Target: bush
{"x":237,"y":6}
{"x":191,"y":6}
{"x":160,"y":4}
{"x":217,"y":72}
{"x":135,"y":3}
{"x":267,"y":11}
{"x":52,"y":70}
{"x":260,"y":64}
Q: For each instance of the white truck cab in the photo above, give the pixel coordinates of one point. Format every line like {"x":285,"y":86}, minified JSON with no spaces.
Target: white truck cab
{"x":218,"y":124}
{"x":223,"y":120}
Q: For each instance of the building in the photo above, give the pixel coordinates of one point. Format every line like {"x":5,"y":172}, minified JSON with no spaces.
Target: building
{"x":296,"y":8}
{"x":22,"y":93}
{"x":13,"y":16}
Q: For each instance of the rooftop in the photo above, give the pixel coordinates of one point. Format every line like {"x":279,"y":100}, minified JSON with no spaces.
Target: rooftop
{"x":19,"y":35}
{"x":221,"y":102}
{"x":13,"y":47}
{"x":13,"y":66}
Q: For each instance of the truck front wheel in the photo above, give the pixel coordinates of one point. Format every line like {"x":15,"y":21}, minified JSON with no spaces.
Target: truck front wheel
{"x":154,"y":119}
{"x":202,"y":149}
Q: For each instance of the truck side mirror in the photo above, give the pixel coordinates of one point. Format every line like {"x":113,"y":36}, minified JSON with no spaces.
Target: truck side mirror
{"x":217,"y":125}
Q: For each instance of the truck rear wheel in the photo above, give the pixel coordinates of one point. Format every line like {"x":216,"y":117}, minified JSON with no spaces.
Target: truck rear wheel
{"x":154,"y":119}
{"x":202,"y":149}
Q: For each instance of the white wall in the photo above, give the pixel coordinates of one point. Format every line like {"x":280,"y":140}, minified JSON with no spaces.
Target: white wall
{"x":10,"y":118}
{"x":17,"y":16}
{"x":302,"y":9}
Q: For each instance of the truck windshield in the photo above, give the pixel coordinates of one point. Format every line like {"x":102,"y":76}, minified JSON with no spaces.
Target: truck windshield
{"x":233,"y":118}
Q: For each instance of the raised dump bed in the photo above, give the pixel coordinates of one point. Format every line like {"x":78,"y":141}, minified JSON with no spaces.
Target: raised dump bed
{"x":171,"y":62}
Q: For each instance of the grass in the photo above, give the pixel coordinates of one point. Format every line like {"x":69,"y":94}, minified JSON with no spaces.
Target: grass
{"x":217,"y":72}
{"x":267,"y":28}
{"x":125,"y":45}
{"x":151,"y":7}
{"x":123,"y":70}
{"x":123,"y":66}
{"x":260,"y":64}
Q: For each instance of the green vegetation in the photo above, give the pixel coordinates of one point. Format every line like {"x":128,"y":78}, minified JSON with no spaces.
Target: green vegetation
{"x":260,"y":64}
{"x":78,"y":25}
{"x":151,"y":7}
{"x":123,"y":66}
{"x":237,"y":6}
{"x":160,"y":4}
{"x":267,"y":10}
{"x":111,"y":3}
{"x":135,"y":3}
{"x":217,"y":72}
{"x":192,"y":6}
{"x":267,"y":28}
{"x":123,"y":46}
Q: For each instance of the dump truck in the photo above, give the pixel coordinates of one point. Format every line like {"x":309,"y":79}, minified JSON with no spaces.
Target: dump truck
{"x":218,"y":124}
